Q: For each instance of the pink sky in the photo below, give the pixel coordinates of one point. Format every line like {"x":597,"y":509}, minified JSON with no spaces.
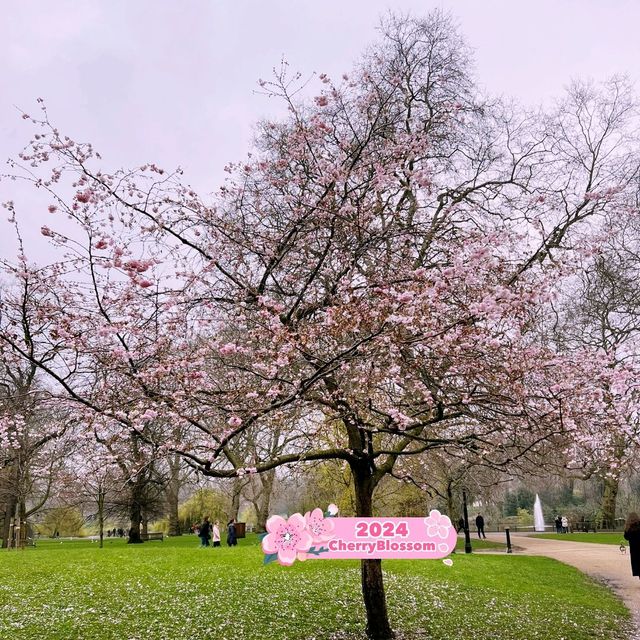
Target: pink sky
{"x":173,"y":82}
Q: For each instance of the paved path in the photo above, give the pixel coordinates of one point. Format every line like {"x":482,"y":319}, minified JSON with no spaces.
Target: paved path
{"x":601,"y":561}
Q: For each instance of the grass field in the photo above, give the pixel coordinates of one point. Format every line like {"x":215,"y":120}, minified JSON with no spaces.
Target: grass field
{"x":171,"y":590}
{"x":599,"y":538}
{"x":480,"y":545}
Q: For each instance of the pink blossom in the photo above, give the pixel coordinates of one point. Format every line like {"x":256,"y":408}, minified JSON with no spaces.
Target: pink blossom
{"x":137,"y":265}
{"x":234,"y":421}
{"x":228,"y":349}
{"x":405,"y":296}
{"x":438,"y":524}
{"x":402,"y":420}
{"x":52,"y":208}
{"x":145,"y":283}
{"x":286,"y":538}
{"x":45,"y":231}
{"x":320,"y":528}
{"x":321,"y":101}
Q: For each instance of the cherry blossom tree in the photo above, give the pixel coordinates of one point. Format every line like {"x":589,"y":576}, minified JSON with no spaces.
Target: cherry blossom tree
{"x":32,"y":428}
{"x":601,"y":311}
{"x":370,"y":276}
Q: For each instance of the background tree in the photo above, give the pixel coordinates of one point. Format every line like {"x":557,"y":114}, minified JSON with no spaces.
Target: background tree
{"x":602,"y":312}
{"x":31,"y":426}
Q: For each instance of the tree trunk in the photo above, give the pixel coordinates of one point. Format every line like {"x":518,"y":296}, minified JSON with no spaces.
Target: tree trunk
{"x":20,"y":526}
{"x":608,"y":506}
{"x":12,"y":497}
{"x":236,"y":491}
{"x":375,"y":602}
{"x":450,"y":503}
{"x":12,"y":502}
{"x":262,"y":514}
{"x":101,"y":515}
{"x":173,"y":497}
{"x":135,"y":514}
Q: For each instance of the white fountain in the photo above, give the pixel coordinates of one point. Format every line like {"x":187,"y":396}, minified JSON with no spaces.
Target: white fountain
{"x":538,"y":518}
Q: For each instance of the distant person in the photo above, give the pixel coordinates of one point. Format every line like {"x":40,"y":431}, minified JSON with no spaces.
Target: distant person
{"x":460,"y":526}
{"x":480,"y":526}
{"x":558,"y":523}
{"x":216,"y":534}
{"x":632,"y":534}
{"x":565,"y":524}
{"x":232,"y":540}
{"x":205,"y":532}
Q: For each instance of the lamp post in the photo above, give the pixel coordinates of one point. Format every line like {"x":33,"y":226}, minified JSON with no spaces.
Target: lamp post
{"x":467,"y":537}
{"x":509,"y":549}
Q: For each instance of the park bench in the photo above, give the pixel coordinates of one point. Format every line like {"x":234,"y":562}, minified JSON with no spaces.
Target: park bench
{"x":152,"y":535}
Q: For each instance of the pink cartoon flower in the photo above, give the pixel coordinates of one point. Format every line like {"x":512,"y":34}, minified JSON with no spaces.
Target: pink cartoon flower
{"x":286,"y":538}
{"x":320,"y":528}
{"x":438,"y":524}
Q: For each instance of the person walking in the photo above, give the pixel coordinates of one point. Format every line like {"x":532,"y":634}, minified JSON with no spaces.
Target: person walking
{"x":460,"y":526}
{"x":558,"y":523}
{"x":205,"y":532}
{"x":632,"y":534}
{"x":480,"y":526}
{"x":216,"y":534}
{"x":232,"y":541}
{"x":565,"y":524}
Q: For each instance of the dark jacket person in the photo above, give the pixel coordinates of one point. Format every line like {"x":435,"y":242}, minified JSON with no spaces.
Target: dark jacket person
{"x":632,"y":534}
{"x":232,"y":540}
{"x":205,"y":532}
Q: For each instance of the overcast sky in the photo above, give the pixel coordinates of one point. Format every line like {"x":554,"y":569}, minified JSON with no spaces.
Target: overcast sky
{"x":174,"y":82}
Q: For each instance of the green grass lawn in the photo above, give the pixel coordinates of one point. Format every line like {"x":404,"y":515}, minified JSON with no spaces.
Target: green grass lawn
{"x":600,"y":538}
{"x":171,"y":590}
{"x":480,"y":545}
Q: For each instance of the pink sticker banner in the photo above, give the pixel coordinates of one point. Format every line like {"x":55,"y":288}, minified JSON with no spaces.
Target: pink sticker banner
{"x":318,"y":535}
